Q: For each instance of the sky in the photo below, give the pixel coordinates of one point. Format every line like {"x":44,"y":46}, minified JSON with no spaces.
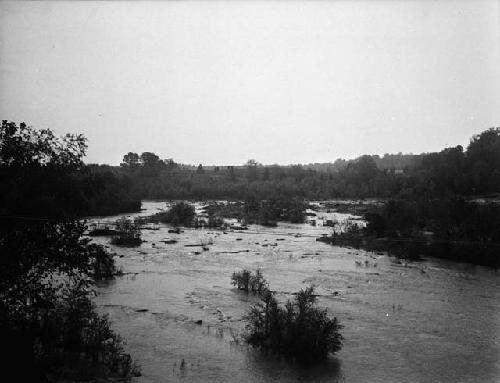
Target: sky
{"x":216,"y":82}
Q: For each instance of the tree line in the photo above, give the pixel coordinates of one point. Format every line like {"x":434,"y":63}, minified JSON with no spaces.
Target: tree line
{"x":454,"y":171}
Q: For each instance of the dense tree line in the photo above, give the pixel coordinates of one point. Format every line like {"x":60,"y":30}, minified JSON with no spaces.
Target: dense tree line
{"x":42,"y":175}
{"x":453,"y":171}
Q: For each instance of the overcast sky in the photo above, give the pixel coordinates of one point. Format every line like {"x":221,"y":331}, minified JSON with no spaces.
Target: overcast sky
{"x":282,"y":82}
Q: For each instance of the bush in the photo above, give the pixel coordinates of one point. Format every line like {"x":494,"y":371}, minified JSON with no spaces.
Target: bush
{"x":215,"y":221}
{"x":298,"y":329}
{"x":47,"y":319}
{"x":181,"y":213}
{"x":69,"y":340}
{"x":248,"y":281}
{"x":128,"y":233}
{"x":102,"y":264}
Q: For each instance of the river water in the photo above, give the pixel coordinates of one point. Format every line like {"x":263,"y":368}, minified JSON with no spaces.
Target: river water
{"x":431,"y":321}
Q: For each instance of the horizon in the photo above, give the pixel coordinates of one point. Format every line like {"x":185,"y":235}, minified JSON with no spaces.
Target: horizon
{"x":218,"y":83}
{"x":204,"y":164}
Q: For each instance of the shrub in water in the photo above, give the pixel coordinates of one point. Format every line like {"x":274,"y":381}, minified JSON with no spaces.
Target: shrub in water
{"x":181,"y":213}
{"x":128,"y":233}
{"x":299,"y":329}
{"x":102,"y":264}
{"x":248,"y":281}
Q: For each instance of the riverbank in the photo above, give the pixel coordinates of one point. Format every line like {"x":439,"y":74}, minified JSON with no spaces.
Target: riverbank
{"x":418,"y":248}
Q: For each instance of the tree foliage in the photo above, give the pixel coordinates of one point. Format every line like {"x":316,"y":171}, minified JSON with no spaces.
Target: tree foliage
{"x":23,"y":146}
{"x":452,"y":171}
{"x":181,"y":213}
{"x":47,"y":268}
{"x":248,"y":281}
{"x":298,"y":329}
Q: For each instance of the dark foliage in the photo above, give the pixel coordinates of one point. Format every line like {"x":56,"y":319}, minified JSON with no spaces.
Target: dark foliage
{"x":299,"y":329}
{"x":447,"y":219}
{"x":102,"y":264}
{"x":451,"y":228}
{"x":47,"y":269}
{"x":452,"y":171}
{"x":250,"y":282}
{"x":43,"y":175}
{"x":263,"y":212}
{"x":128,"y":233}
{"x":180,"y":214}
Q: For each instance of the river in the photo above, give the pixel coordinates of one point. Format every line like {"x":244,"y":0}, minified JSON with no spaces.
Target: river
{"x":431,"y":321}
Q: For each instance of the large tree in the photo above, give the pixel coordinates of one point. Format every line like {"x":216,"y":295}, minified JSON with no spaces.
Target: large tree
{"x":130,"y":160}
{"x":47,"y":320}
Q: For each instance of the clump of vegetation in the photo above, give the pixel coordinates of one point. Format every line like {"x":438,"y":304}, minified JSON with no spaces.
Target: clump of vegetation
{"x":226,"y":210}
{"x":266,"y":215}
{"x":102,"y":264}
{"x":250,"y":282}
{"x":212,"y":222}
{"x":265,"y":212}
{"x":129,"y":233}
{"x":298,"y":329}
{"x":277,"y":208}
{"x":181,"y":213}
{"x":47,"y":268}
{"x":215,"y":221}
{"x":74,"y":343}
{"x":47,"y":319}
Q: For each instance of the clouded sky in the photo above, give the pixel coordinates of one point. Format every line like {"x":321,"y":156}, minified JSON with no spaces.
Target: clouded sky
{"x":282,"y":82}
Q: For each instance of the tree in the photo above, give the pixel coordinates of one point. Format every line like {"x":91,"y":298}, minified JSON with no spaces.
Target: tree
{"x":170,"y":163}
{"x":232,"y":174}
{"x":483,"y":161}
{"x":252,"y":163}
{"x":25,"y":146}
{"x":265,"y":176}
{"x":298,"y":329}
{"x":485,"y":147}
{"x":181,"y":213}
{"x":36,"y":160}
{"x":150,"y":160}
{"x":47,"y":319}
{"x":130,"y":160}
{"x":252,"y":169}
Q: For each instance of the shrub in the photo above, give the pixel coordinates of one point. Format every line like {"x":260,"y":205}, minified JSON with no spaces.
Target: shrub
{"x":298,"y":329}
{"x":215,"y":221}
{"x":47,"y":319}
{"x":71,"y":342}
{"x":128,"y":233}
{"x":181,"y":213}
{"x":267,"y":215}
{"x":102,"y":264}
{"x":248,"y":281}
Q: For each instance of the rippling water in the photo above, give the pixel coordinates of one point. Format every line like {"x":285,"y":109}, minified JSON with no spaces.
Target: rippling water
{"x":432,"y":321}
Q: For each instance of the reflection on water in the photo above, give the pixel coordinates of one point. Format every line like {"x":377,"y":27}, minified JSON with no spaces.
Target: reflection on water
{"x":417,"y":322}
